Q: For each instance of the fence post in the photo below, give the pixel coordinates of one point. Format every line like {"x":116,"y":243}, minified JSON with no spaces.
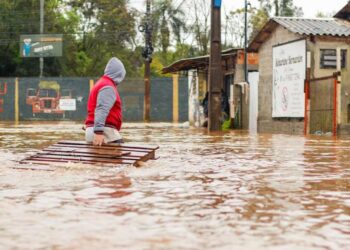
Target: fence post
{"x":91,"y":82}
{"x":16,"y":100}
{"x":306,"y":116}
{"x":338,"y":78}
{"x":335,"y":106}
{"x":175,"y":98}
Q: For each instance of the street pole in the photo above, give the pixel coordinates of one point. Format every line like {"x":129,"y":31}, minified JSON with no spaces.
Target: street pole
{"x":41,"y":32}
{"x":147,"y":102}
{"x":215,"y":70}
{"x":245,"y":41}
{"x":148,"y":59}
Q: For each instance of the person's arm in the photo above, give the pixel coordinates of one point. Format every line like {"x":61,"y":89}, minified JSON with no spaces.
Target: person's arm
{"x":105,"y":100}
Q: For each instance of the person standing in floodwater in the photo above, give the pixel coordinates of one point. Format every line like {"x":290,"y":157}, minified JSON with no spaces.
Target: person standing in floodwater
{"x":104,"y":118}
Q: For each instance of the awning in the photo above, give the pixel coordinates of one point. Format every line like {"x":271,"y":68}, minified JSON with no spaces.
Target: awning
{"x":200,"y":62}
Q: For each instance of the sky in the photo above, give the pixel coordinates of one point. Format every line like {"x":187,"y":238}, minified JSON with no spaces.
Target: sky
{"x":310,"y":7}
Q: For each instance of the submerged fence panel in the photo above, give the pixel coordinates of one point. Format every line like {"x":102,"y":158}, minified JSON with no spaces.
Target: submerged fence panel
{"x":53,"y":98}
{"x":66,"y":98}
{"x":183,"y":99}
{"x":161,"y":99}
{"x":132,"y":95}
{"x":7,"y":99}
{"x":162,"y":102}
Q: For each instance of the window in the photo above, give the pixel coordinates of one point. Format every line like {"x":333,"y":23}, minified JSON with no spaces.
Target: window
{"x":329,"y":58}
{"x":47,"y":93}
{"x":31,"y":92}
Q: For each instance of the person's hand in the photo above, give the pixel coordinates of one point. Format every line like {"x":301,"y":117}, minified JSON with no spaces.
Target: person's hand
{"x":98,"y":139}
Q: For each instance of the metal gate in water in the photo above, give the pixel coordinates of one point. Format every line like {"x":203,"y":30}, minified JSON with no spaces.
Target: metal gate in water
{"x":321,"y":105}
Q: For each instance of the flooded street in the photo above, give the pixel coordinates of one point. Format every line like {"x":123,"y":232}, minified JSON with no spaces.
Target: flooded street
{"x":229,"y":190}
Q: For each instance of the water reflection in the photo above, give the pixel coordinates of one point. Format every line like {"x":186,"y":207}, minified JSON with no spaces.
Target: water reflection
{"x":228,"y":190}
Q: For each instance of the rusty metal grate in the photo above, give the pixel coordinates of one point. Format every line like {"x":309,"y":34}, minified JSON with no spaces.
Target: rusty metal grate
{"x":83,"y":152}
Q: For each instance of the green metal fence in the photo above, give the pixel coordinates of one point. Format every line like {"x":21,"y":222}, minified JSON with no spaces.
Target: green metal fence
{"x":66,"y":99}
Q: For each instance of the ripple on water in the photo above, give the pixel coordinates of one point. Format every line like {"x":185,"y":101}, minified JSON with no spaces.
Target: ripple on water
{"x":221,"y":191}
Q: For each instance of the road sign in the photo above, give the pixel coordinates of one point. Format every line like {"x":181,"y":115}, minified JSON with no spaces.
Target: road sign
{"x":41,"y":45}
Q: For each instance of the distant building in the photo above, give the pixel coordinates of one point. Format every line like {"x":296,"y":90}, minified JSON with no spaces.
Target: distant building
{"x":233,"y":77}
{"x":287,"y":44}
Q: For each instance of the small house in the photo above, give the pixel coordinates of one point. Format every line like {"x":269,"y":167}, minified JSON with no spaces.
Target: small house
{"x":299,"y":61}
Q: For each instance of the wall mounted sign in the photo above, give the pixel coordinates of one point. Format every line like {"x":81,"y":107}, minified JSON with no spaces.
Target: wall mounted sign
{"x":288,"y":76}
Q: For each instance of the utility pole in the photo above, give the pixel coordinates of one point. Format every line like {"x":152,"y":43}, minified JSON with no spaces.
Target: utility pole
{"x":245,"y":41}
{"x":215,"y":70}
{"x":41,"y":32}
{"x":147,"y":54}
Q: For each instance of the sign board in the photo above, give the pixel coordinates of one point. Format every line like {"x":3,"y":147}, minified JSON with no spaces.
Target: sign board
{"x":68,"y":104}
{"x":41,"y":45}
{"x":217,"y":3}
{"x":289,"y":71}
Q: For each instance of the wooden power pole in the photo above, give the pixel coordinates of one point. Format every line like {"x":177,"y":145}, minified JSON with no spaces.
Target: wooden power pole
{"x":41,"y":59}
{"x":147,"y":54}
{"x":245,"y":41}
{"x":215,"y":70}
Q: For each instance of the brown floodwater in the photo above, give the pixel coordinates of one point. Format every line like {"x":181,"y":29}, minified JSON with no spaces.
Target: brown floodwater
{"x":229,"y":190}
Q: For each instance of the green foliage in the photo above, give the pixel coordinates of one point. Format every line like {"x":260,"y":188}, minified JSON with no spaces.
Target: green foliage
{"x":168,"y":25}
{"x":320,"y":14}
{"x":226,"y":125}
{"x":156,"y":66}
{"x":269,"y":8}
{"x":95,"y":30}
{"x":258,"y":19}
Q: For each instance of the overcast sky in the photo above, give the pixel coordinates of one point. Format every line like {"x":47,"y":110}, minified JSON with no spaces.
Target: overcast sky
{"x":310,"y":7}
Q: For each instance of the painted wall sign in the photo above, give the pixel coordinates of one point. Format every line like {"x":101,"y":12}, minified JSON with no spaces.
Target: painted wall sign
{"x":289,"y":70}
{"x":68,"y":104}
{"x":41,"y":45}
{"x":253,"y":58}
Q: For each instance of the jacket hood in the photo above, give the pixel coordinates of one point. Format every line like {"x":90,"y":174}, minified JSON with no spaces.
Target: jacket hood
{"x":115,"y":70}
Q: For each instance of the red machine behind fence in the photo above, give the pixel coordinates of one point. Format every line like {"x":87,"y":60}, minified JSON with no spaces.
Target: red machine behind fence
{"x":47,"y":100}
{"x":3,"y":92}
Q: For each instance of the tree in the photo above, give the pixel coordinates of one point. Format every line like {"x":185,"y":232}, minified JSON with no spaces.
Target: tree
{"x":199,"y":24}
{"x":286,"y":8}
{"x":320,"y":14}
{"x":168,"y":22}
{"x":260,"y":16}
{"x":22,"y":17}
{"x":107,"y":29}
{"x":234,"y":28}
{"x":270,"y":8}
{"x":93,"y":31}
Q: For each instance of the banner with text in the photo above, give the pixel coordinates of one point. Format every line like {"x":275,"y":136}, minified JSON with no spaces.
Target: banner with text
{"x":41,"y":45}
{"x":289,"y":70}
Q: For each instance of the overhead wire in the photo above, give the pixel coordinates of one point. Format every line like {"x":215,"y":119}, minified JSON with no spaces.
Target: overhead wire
{"x":49,"y":24}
